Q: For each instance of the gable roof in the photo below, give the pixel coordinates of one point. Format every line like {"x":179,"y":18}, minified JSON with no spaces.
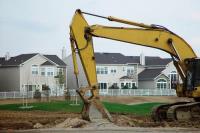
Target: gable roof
{"x":126,"y":77}
{"x":149,"y":74}
{"x":47,"y":63}
{"x":118,"y":58}
{"x":55,"y":59}
{"x":17,"y":60}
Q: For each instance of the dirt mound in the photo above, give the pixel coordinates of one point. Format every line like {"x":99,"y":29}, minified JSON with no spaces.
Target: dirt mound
{"x":72,"y":123}
{"x":41,"y":119}
{"x":146,"y":121}
{"x":27,"y":119}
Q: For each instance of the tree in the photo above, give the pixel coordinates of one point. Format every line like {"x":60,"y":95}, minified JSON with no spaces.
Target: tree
{"x":46,"y":90}
{"x":37,"y":95}
{"x":61,"y":80}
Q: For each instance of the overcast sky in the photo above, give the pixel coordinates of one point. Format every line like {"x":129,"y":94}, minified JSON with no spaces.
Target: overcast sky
{"x":42,"y":26}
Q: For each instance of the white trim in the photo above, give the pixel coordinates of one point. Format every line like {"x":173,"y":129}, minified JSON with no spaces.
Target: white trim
{"x":41,"y":56}
{"x":49,"y":60}
{"x":160,"y":75}
{"x":161,"y":82}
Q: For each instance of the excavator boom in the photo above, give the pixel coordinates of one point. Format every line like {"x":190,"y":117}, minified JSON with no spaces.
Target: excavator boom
{"x":154,"y":36}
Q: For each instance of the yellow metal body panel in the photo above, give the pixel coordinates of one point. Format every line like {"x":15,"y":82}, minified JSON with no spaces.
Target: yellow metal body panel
{"x":74,"y":57}
{"x":144,"y":35}
{"x":86,"y":50}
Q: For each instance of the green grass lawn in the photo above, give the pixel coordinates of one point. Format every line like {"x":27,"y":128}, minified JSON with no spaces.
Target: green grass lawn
{"x":139,"y":109}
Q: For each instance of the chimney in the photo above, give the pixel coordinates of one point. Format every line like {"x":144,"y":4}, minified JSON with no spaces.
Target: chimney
{"x":7,"y":56}
{"x":142,"y":59}
{"x":63,"y":53}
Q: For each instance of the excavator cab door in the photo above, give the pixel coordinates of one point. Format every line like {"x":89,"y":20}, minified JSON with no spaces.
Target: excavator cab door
{"x":193,"y":74}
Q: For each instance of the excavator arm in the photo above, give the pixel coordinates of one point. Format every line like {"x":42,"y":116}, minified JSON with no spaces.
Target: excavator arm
{"x":145,"y":35}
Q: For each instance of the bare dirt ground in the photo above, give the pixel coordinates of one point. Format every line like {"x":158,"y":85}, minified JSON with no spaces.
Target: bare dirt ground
{"x":116,"y":99}
{"x":43,"y":119}
{"x":143,"y":99}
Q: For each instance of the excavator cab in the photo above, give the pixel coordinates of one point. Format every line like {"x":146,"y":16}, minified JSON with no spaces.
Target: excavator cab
{"x":193,"y":74}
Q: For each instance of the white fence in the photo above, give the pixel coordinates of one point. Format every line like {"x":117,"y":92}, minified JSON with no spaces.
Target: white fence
{"x":30,"y":94}
{"x":133,"y":92}
{"x":139,"y":92}
{"x":110,"y":92}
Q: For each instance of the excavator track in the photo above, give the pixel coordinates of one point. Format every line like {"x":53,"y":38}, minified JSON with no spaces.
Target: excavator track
{"x":159,"y":113}
{"x":184,"y":112}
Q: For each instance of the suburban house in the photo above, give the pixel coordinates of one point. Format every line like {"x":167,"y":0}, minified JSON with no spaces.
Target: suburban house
{"x":115,"y":70}
{"x":31,"y":71}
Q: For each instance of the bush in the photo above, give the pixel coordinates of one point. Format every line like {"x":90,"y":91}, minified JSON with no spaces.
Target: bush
{"x":37,"y":95}
{"x":114,"y":86}
{"x":134,"y":87}
{"x":125,"y":87}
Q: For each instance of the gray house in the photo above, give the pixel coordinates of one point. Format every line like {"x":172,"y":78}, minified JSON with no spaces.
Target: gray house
{"x":153,"y":78}
{"x":31,"y":71}
{"x":115,"y":69}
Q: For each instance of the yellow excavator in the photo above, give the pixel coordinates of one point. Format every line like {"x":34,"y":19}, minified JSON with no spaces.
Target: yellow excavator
{"x":184,"y":58}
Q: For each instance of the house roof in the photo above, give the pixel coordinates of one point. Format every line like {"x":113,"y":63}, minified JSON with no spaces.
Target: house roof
{"x":17,"y":60}
{"x":150,"y":60}
{"x":55,"y":59}
{"x":47,"y":63}
{"x":109,"y":58}
{"x":125,"y":77}
{"x":149,"y":74}
{"x":117,"y":58}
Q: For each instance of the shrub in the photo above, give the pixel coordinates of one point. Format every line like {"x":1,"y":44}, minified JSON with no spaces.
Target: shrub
{"x":37,"y":95}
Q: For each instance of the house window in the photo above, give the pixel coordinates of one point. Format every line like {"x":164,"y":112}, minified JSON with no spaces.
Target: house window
{"x":130,"y":70}
{"x":161,"y":84}
{"x":173,"y":79}
{"x":114,"y":86}
{"x":34,"y":69}
{"x":30,"y":87}
{"x":60,"y":71}
{"x":98,"y":70}
{"x":102,"y":85}
{"x":122,"y":85}
{"x":134,"y":85}
{"x":50,"y":71}
{"x":102,"y":70}
{"x":113,"y":70}
{"x":128,"y":85}
{"x":42,"y":71}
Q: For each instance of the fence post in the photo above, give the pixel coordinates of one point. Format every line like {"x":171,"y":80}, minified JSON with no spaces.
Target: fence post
{"x":4,"y":95}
